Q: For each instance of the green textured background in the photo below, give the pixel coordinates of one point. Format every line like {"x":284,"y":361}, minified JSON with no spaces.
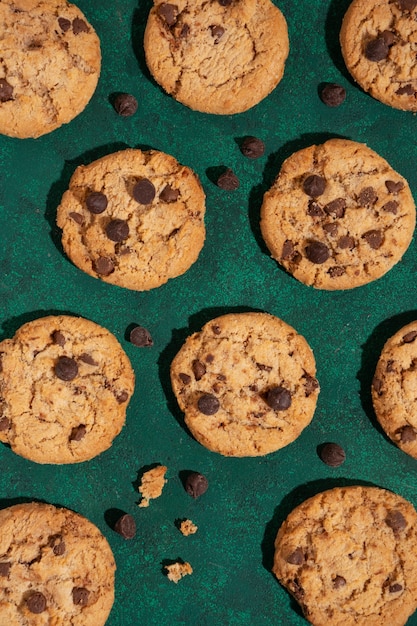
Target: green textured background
{"x":247,"y":499}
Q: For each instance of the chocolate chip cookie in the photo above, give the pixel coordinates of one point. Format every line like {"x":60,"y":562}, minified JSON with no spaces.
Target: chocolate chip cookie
{"x":338,"y":216}
{"x":133,"y":218}
{"x":246,"y":383}
{"x":65,"y":384}
{"x":394,"y":389}
{"x":49,"y":65}
{"x":219,"y":57}
{"x":347,"y":555}
{"x":378,"y":44}
{"x":55,"y":568}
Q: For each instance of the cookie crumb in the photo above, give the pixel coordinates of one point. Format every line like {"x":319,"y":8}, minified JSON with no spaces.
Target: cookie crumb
{"x":152,"y":483}
{"x":187,"y":527}
{"x":176,"y":571}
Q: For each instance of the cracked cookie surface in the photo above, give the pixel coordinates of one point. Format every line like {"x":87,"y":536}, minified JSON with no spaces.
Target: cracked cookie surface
{"x":347,"y":555}
{"x":378,"y":40}
{"x":49,"y":66}
{"x":216,"y":56}
{"x":55,"y":568}
{"x":246,"y":383}
{"x":133,"y":218}
{"x":65,"y":384}
{"x":394,"y":389}
{"x":338,"y":216}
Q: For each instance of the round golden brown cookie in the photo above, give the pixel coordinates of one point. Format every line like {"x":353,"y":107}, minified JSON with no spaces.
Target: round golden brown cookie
{"x":337,"y":216}
{"x":394,"y":389}
{"x":133,"y":218}
{"x":378,"y":45}
{"x":347,"y":555}
{"x":49,"y":66}
{"x":221,"y":57}
{"x":55,"y":568}
{"x":65,"y":383}
{"x":246,"y":383}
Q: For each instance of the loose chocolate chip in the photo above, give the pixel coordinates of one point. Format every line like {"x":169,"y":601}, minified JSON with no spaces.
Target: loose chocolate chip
{"x":278,"y":398}
{"x":333,"y":95}
{"x":196,"y":484}
{"x":346,"y":241}
{"x":396,"y":521}
{"x":394,"y":187}
{"x":377,"y":49}
{"x":332,"y":454}
{"x":374,"y":238}
{"x":367,"y":196}
{"x":208,"y":404}
{"x":4,"y":424}
{"x":66,"y":368}
{"x":36,"y":602}
{"x":168,"y":12}
{"x":336,"y":271}
{"x":296,"y":557}
{"x":252,"y":147}
{"x":410,"y":337}
{"x":169,"y":194}
{"x":64,"y":24}
{"x":79,"y":26}
{"x":314,"y":185}
{"x":58,"y":338}
{"x":407,"y":5}
{"x":228,"y":180}
{"x":336,"y":207}
{"x":57,"y":544}
{"x":103,"y":266}
{"x":317,"y":252}
{"x":140,"y":337}
{"x":126,"y":526}
{"x":314,"y":209}
{"x":117,"y":230}
{"x":5,"y":568}
{"x":78,"y":433}
{"x":407,"y":434}
{"x":391,"y":206}
{"x":217,"y":32}
{"x":405,"y":90}
{"x":77,"y":217}
{"x":184,"y":378}
{"x":339,"y":582}
{"x":125,"y":104}
{"x":80,"y":596}
{"x":96,"y":202}
{"x":144,"y":191}
{"x":395,"y":588}
{"x":6,"y":90}
{"x":199,"y":369}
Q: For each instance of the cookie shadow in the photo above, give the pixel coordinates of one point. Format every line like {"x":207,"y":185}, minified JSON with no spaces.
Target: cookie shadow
{"x":333,"y":24}
{"x":140,"y":18}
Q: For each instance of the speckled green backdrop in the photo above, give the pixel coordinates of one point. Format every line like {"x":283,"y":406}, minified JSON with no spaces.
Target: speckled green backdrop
{"x":248,"y":498}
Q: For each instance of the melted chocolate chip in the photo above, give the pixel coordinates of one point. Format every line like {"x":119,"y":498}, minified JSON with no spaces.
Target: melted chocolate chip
{"x":5,"y":568}
{"x":377,"y":49}
{"x":4,"y":424}
{"x":346,"y":241}
{"x":125,"y":104}
{"x":317,"y":252}
{"x":252,"y":147}
{"x":184,"y":378}
{"x":407,"y":434}
{"x":66,"y":368}
{"x":126,"y":526}
{"x":36,"y":602}
{"x":168,"y":13}
{"x":410,"y":336}
{"x":117,"y":230}
{"x":208,"y":404}
{"x":103,"y":266}
{"x":64,"y":24}
{"x":169,"y":194}
{"x":217,"y":32}
{"x":278,"y":398}
{"x":396,"y":521}
{"x":391,"y":206}
{"x":196,"y":484}
{"x":96,"y":202}
{"x":199,"y":369}
{"x":333,"y":95}
{"x":141,"y":337}
{"x":144,"y":191}
{"x":6,"y":90}
{"x":79,"y":26}
{"x":339,"y":582}
{"x":228,"y":180}
{"x":296,"y":557}
{"x":58,"y":338}
{"x":367,"y":196}
{"x":80,"y":596}
{"x":314,"y":185}
{"x":405,"y":90}
{"x":332,"y":454}
{"x":374,"y":238}
{"x":336,"y":207}
{"x":78,"y":433}
{"x":394,"y":187}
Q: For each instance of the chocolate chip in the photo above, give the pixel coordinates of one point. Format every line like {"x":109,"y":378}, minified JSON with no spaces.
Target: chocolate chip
{"x":225,"y":3}
{"x":396,"y":521}
{"x":169,"y":194}
{"x":287,"y":250}
{"x":121,"y":397}
{"x":346,"y":241}
{"x":407,"y":5}
{"x":217,"y":32}
{"x":199,"y":369}
{"x":252,"y":147}
{"x":296,"y":557}
{"x":79,"y":26}
{"x":317,"y":252}
{"x":405,"y":90}
{"x":395,"y":588}
{"x":196,"y":484}
{"x":336,"y":271}
{"x":103,"y":266}
{"x":77,"y":217}
{"x":336,"y":207}
{"x":310,"y":385}
{"x":314,"y":209}
{"x":263,"y":368}
{"x":184,"y":31}
{"x":278,"y":398}
{"x":80,"y":596}
{"x":216,"y":329}
{"x":125,"y":104}
{"x":168,"y":12}
{"x":4,"y":424}
{"x":64,"y":24}
{"x":140,"y":337}
{"x":117,"y":230}
{"x":314,"y":185}
{"x":184,"y":378}
{"x":87,"y":358}
{"x":339,"y":582}
{"x":57,"y":544}
{"x":407,"y":434}
{"x":58,"y":338}
{"x":36,"y":602}
{"x":5,"y":568}
{"x":332,"y":454}
{"x":66,"y":368}
{"x":374,"y":238}
{"x":377,"y":385}
{"x":367,"y":196}
{"x":394,"y":187}
{"x":388,"y":36}
{"x":228,"y":180}
{"x":391,"y":206}
{"x":6,"y":90}
{"x":144,"y":191}
{"x":126,"y":526}
{"x":330,"y":228}
{"x":377,"y":49}
{"x":78,"y":433}
{"x":333,"y":95}
{"x":96,"y":202}
{"x":208,"y":404}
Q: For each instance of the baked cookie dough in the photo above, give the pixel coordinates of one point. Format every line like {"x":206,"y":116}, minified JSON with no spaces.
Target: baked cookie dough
{"x":347,"y":555}
{"x":220,"y":57}
{"x":337,"y":216}
{"x":394,"y":389}
{"x":246,"y":383}
{"x":49,"y":65}
{"x":133,"y":218}
{"x":65,"y":383}
{"x":378,"y":39}
{"x":55,"y":568}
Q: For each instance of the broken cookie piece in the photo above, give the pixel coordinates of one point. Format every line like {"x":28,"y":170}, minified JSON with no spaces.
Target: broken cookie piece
{"x":187,"y":527}
{"x":177,"y":570}
{"x":152,"y":483}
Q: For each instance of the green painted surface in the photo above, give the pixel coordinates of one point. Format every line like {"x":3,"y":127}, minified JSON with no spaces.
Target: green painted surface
{"x":248,"y":498}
